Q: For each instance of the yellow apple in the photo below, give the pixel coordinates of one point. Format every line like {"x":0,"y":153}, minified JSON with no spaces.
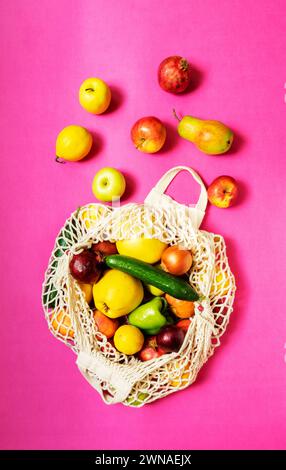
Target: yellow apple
{"x":94,"y":95}
{"x":117,"y":293}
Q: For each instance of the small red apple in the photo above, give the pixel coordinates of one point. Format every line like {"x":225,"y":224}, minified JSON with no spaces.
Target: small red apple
{"x":174,"y":74}
{"x":148,"y":134}
{"x":106,"y":248}
{"x":146,"y":354}
{"x":150,"y":350}
{"x":223,"y":191}
{"x":184,"y":324}
{"x":102,"y":249}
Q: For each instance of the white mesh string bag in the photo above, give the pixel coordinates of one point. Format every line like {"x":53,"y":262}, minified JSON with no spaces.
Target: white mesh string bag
{"x":116,"y":376}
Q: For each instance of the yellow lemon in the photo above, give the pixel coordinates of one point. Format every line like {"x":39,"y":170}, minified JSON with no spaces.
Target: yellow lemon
{"x":146,"y":249}
{"x":154,"y":290}
{"x":182,"y":379}
{"x":128,"y":339}
{"x":117,"y":293}
{"x":139,"y":223}
{"x":73,"y":143}
{"x":221,"y":283}
{"x":91,"y":215}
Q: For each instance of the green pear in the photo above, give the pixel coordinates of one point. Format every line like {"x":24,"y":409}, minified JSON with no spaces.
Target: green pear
{"x":148,"y":317}
{"x":211,"y":137}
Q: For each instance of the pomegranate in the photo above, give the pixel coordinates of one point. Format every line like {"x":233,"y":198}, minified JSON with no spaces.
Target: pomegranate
{"x":174,"y":74}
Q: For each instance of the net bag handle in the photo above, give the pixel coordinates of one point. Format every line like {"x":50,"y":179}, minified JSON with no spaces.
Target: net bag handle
{"x":157,"y":194}
{"x":97,"y":370}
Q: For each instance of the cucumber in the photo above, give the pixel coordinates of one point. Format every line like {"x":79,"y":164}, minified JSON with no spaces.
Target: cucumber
{"x":49,"y":297}
{"x":168,"y":283}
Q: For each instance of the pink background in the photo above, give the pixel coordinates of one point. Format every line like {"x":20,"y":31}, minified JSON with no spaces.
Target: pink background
{"x":237,"y":49}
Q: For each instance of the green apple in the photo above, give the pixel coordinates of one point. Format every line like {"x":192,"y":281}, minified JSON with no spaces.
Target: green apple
{"x":94,"y":95}
{"x":108,"y":184}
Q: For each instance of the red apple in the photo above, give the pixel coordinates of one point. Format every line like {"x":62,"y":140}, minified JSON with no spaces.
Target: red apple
{"x":174,"y":74}
{"x":150,"y":350}
{"x":223,"y":191}
{"x":148,"y":134}
{"x":102,"y":249}
{"x":106,"y":248}
{"x":146,"y":354}
{"x":184,"y":324}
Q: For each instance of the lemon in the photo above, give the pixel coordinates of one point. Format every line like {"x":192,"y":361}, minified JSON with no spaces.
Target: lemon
{"x":73,"y":143}
{"x":117,"y":293}
{"x":129,"y":223}
{"x":221,"y":283}
{"x":146,"y":249}
{"x":91,"y":215}
{"x":128,"y":339}
{"x":181,"y":379}
{"x":152,"y":289}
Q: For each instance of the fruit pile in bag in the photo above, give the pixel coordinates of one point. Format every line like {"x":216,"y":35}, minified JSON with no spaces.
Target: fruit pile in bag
{"x":139,"y":292}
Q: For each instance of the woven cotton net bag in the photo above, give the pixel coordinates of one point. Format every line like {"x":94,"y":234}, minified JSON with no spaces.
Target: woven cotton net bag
{"x":121,"y":378}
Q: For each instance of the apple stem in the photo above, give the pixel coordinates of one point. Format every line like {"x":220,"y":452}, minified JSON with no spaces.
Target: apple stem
{"x":176,"y":115}
{"x":89,"y":89}
{"x":105,"y":307}
{"x":57,"y":159}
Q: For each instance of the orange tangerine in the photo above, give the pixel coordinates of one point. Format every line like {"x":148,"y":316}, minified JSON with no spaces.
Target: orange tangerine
{"x":61,"y":323}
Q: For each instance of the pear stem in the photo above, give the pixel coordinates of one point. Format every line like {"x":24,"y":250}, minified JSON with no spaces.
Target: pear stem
{"x":57,"y":159}
{"x":176,"y":115}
